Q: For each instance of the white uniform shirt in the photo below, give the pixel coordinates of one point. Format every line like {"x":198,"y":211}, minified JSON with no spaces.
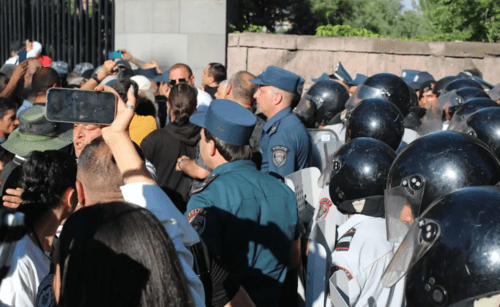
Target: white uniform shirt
{"x":29,"y":266}
{"x":153,"y":198}
{"x":363,"y":253}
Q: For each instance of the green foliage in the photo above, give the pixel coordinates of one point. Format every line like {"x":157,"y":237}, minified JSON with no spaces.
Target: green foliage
{"x":434,"y":20}
{"x":247,"y":28}
{"x":343,"y":31}
{"x":474,"y":20}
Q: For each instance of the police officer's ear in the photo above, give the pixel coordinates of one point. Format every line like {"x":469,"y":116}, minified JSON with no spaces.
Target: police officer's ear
{"x":277,"y":96}
{"x":229,"y":89}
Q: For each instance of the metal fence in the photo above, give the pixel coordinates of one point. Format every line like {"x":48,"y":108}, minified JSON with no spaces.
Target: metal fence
{"x":73,"y":31}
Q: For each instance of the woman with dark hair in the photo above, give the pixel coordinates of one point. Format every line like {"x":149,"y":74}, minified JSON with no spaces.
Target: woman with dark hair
{"x":117,"y":254}
{"x":49,"y":197}
{"x":179,"y":138}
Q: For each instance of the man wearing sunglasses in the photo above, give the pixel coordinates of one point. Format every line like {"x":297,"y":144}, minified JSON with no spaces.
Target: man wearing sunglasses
{"x":181,"y":73}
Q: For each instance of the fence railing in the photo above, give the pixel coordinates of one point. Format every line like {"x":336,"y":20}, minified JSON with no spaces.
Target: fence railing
{"x":73,"y":31}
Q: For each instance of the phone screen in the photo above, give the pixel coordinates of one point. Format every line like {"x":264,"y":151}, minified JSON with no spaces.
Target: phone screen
{"x":115,"y":55}
{"x":79,"y":106}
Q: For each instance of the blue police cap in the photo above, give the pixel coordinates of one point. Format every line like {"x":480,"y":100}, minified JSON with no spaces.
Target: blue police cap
{"x":280,"y":78}
{"x":227,"y":121}
{"x":323,"y":77}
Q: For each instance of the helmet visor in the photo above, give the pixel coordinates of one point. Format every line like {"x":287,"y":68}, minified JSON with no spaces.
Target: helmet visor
{"x":421,"y":236}
{"x":494,"y":93}
{"x":306,"y":109}
{"x":457,"y":121}
{"x":364,"y":92}
{"x":402,"y":205}
{"x":449,"y":100}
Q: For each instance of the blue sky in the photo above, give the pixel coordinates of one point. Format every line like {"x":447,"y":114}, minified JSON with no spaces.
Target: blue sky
{"x":407,"y":4}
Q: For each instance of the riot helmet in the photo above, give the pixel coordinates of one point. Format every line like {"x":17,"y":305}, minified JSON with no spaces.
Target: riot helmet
{"x":452,"y":100}
{"x":430,"y":167}
{"x":385,"y":86}
{"x":467,"y":109}
{"x":322,"y":102}
{"x":451,"y":254}
{"x":485,"y":125}
{"x":360,"y":169}
{"x":442,"y":83}
{"x":413,"y":97}
{"x":461,"y":83}
{"x":376,"y":118}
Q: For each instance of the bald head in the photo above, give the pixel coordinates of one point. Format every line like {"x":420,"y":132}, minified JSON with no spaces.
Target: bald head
{"x":242,"y":90}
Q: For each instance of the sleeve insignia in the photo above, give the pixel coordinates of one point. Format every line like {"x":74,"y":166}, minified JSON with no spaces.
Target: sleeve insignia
{"x":203,"y":185}
{"x":337,"y":268}
{"x":280,"y":155}
{"x":344,"y":242}
{"x":324,"y":207}
{"x":198,"y":219}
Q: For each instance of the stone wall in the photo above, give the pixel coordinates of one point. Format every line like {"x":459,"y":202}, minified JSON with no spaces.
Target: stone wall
{"x":310,"y":56}
{"x":173,"y":31}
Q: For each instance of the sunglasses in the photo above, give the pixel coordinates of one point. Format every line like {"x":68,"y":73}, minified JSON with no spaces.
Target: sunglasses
{"x":174,"y":82}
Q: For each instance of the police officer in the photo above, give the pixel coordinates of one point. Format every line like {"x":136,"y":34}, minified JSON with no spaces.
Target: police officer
{"x":362,"y":251}
{"x":430,"y":167}
{"x":285,"y":143}
{"x":451,"y":254}
{"x":246,"y":218}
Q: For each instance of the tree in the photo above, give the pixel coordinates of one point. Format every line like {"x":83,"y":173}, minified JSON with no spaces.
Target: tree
{"x":475,"y":20}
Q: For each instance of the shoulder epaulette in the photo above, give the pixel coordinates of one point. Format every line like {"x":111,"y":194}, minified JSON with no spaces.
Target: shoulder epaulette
{"x":202,"y":186}
{"x":344,"y":242}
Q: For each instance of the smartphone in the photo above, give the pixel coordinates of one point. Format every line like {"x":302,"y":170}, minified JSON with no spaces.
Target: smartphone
{"x":80,"y":106}
{"x":115,"y":55}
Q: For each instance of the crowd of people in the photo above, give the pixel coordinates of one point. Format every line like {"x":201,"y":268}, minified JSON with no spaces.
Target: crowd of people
{"x":184,"y":199}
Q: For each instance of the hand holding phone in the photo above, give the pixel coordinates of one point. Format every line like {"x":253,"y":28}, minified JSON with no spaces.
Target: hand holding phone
{"x":80,"y":106}
{"x":115,"y":55}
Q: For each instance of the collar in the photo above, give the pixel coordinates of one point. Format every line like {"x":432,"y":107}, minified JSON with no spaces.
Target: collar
{"x":352,"y":222}
{"x":233,"y":166}
{"x":276,"y":118}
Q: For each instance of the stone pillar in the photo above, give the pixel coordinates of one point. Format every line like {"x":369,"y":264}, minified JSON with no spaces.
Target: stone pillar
{"x":173,"y":31}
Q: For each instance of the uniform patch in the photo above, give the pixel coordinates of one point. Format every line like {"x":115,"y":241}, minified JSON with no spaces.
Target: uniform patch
{"x":344,"y":242}
{"x":324,"y":207}
{"x":203,"y":185}
{"x":337,"y":268}
{"x":198,"y":219}
{"x":280,"y":155}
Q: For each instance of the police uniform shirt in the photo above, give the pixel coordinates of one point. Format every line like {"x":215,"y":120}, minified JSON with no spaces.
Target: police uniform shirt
{"x":248,"y":219}
{"x":325,"y":208}
{"x":363,"y":253}
{"x":285,"y":144}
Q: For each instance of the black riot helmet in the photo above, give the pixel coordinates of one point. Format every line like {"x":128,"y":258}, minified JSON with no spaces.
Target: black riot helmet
{"x":441,"y":84}
{"x":461,"y":83}
{"x":485,"y":125}
{"x":322,"y":102}
{"x":430,"y":167}
{"x":452,"y":100}
{"x":385,"y":86}
{"x":467,"y":109}
{"x":451,"y":255}
{"x":360,"y":169}
{"x":376,"y":118}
